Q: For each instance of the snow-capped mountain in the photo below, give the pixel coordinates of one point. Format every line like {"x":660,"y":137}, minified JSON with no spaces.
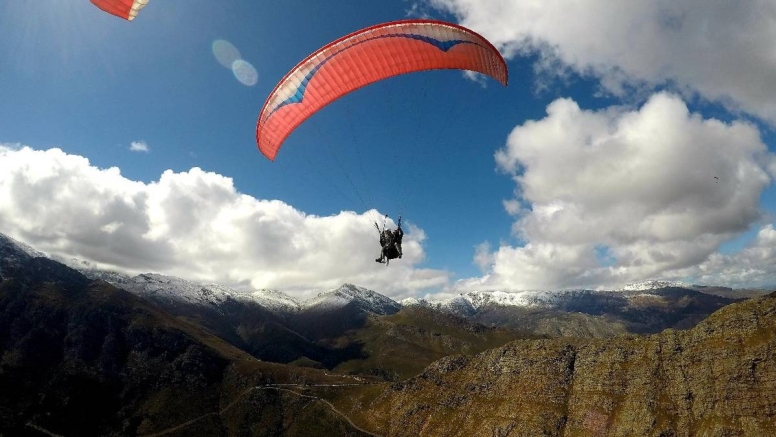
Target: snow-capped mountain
{"x":412,"y":301}
{"x":471,"y":302}
{"x":479,"y":299}
{"x":457,"y":305}
{"x":364,"y":298}
{"x":171,"y":289}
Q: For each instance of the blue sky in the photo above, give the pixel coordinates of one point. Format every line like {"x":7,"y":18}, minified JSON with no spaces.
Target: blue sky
{"x":595,"y":167}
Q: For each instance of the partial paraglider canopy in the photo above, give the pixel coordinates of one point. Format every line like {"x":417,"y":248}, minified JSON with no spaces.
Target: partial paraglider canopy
{"x":367,"y":56}
{"x":126,"y":9}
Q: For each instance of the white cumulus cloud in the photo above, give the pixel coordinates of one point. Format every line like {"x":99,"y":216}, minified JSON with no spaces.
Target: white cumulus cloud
{"x":723,"y":50}
{"x":139,"y":146}
{"x":619,"y":195}
{"x":753,"y":266}
{"x":195,"y":225}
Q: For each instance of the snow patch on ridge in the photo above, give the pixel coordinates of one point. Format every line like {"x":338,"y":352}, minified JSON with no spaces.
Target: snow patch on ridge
{"x":9,"y":245}
{"x":654,"y":285}
{"x":473,"y":301}
{"x":272,"y":299}
{"x":13,"y":253}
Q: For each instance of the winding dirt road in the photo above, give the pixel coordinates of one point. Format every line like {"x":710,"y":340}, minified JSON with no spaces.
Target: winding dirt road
{"x":278,"y":387}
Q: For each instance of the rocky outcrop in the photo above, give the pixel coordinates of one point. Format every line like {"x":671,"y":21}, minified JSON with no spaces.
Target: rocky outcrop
{"x":717,"y":379}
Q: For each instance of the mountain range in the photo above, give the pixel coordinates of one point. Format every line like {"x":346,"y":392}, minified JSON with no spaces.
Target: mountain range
{"x":160,"y":287}
{"x":646,"y":307}
{"x":159,"y":355}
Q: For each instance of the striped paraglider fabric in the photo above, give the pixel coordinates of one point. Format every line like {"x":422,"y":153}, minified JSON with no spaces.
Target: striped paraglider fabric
{"x":367,"y":56}
{"x":126,"y":9}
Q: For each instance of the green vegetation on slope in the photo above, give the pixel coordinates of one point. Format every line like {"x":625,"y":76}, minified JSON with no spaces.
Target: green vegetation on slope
{"x":401,"y":345}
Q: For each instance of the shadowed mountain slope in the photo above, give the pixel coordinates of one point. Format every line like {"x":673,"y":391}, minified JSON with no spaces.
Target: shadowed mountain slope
{"x":81,"y":357}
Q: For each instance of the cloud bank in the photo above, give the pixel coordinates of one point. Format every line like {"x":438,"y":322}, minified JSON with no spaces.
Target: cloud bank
{"x":603,"y":198}
{"x":195,"y":225}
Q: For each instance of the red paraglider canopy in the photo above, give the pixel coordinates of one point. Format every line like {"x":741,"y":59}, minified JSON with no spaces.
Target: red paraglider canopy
{"x":126,"y":9}
{"x":367,"y":56}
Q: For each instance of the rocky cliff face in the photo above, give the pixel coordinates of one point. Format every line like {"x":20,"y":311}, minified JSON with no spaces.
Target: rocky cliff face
{"x":717,"y":379}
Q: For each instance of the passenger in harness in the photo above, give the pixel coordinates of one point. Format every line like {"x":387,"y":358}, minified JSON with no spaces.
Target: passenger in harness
{"x":390,"y":243}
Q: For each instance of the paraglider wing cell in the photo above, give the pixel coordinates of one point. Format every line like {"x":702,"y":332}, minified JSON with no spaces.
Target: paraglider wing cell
{"x":126,"y":9}
{"x":364,"y":57}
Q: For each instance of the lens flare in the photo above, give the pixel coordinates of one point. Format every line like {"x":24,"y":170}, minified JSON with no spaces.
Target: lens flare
{"x":244,"y":72}
{"x":226,"y":54}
